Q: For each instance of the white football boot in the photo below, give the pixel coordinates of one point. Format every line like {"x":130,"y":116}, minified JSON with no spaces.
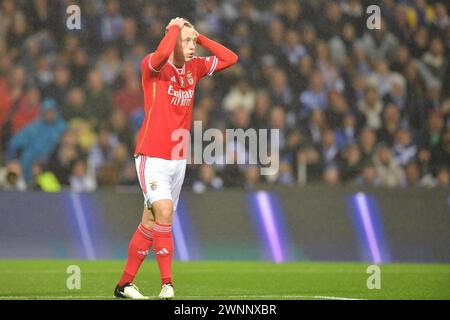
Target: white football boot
{"x":129,"y":290}
{"x":166,"y":292}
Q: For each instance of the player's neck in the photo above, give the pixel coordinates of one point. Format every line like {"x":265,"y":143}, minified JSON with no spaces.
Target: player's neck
{"x":176,"y":62}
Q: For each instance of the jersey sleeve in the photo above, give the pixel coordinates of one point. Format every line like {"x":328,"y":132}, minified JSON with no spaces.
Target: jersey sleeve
{"x":146,"y":66}
{"x":205,"y":65}
{"x":154,"y":61}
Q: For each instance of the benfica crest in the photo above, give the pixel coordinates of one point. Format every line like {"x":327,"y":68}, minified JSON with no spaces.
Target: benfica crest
{"x":190,"y":80}
{"x":153,"y":185}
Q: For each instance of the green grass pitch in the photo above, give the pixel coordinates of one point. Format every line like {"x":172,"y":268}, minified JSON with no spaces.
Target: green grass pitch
{"x":46,"y":279}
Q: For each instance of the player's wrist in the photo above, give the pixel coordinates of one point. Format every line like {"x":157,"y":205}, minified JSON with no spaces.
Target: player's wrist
{"x":173,"y":27}
{"x":200,"y":39}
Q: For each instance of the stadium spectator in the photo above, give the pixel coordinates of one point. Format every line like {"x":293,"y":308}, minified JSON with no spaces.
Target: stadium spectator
{"x":310,"y":164}
{"x":350,"y":163}
{"x":110,"y":65}
{"x":315,"y":97}
{"x":286,"y":174}
{"x":388,"y":171}
{"x":412,"y":175}
{"x":440,"y":154}
{"x":79,"y":67}
{"x":112,"y":171}
{"x":341,"y":46}
{"x":64,"y":157}
{"x":368,"y":177}
{"x":112,"y":21}
{"x":404,"y":149}
{"x":331,"y":176}
{"x":431,"y":134}
{"x":11,"y":178}
{"x":242,"y":95}
{"x":260,"y":113}
{"x":129,"y":97}
{"x":252,"y":178}
{"x":75,"y":105}
{"x":315,"y":126}
{"x":434,"y":60}
{"x":128,"y":177}
{"x":37,"y":140}
{"x":26,"y":111}
{"x":207,"y":180}
{"x":390,"y":126}
{"x":443,"y":178}
{"x":371,"y":108}
{"x":280,"y":90}
{"x":98,"y":98}
{"x":328,"y":148}
{"x":60,"y":85}
{"x":277,"y":121}
{"x":81,"y":180}
{"x":336,"y":109}
{"x":379,"y":43}
{"x":101,"y":152}
{"x":121,"y":127}
{"x":347,"y":133}
{"x":43,"y":179}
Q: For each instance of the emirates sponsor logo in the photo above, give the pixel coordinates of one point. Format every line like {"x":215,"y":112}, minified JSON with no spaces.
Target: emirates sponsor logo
{"x":180,"y":97}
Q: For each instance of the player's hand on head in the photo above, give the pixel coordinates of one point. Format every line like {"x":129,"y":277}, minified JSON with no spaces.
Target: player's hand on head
{"x":176,"y":22}
{"x":196,"y":33}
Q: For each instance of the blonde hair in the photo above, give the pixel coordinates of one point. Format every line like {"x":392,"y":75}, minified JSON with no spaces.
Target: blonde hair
{"x":187,"y":23}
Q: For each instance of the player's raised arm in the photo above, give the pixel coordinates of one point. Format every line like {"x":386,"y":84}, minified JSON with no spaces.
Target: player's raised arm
{"x":225,"y":56}
{"x":166,"y":45}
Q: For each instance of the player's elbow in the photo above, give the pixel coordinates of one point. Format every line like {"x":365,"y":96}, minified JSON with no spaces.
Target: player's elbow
{"x":234,"y":58}
{"x":162,"y":55}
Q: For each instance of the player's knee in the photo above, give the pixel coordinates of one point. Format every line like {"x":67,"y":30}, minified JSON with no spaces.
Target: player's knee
{"x":165,"y":215}
{"x":148,"y":223}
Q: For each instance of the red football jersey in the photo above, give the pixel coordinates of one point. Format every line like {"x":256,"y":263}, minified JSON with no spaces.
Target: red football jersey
{"x":169,"y":99}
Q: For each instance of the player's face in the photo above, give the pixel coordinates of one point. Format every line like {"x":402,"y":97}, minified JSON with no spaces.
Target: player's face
{"x":187,"y":42}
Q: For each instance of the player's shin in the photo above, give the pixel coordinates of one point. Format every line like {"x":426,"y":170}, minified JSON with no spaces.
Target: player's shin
{"x":138,"y":249}
{"x":163,"y":246}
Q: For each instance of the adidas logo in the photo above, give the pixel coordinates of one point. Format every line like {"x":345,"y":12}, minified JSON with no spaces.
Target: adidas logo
{"x":144,"y":253}
{"x":173,"y":79}
{"x":163,"y":251}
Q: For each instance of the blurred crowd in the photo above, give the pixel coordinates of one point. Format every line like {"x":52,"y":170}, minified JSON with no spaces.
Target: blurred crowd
{"x":354,"y":106}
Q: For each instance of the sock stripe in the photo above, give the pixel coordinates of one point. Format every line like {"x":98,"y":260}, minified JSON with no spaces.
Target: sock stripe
{"x":144,"y":228}
{"x":162,"y":229}
{"x":147,"y":233}
{"x":162,"y":224}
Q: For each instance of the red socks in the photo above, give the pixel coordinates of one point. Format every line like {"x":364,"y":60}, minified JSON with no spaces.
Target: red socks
{"x":138,"y":249}
{"x":162,"y":235}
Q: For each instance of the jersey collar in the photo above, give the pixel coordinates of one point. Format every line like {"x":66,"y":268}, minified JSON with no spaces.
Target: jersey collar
{"x":178,"y":70}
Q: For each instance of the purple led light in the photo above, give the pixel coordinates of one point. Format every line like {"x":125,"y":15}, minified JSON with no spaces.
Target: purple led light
{"x":82,"y":225}
{"x":267,"y":215}
{"x":364,"y":212}
{"x":179,"y":239}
